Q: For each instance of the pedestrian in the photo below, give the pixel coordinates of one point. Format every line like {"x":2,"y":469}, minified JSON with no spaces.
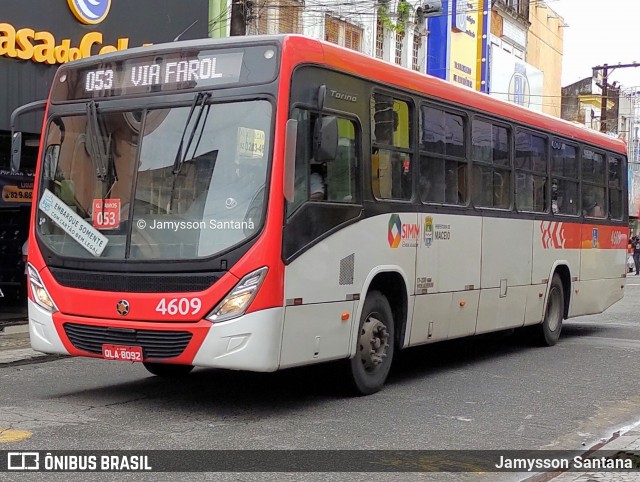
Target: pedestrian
{"x":635,"y":244}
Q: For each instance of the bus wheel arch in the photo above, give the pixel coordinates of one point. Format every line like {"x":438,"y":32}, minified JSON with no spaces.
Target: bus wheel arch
{"x":392,"y":285}
{"x":556,"y":307}
{"x":563,"y":272}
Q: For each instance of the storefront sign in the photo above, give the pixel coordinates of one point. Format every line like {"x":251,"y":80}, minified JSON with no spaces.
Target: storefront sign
{"x":43,"y":47}
{"x":90,"y":12}
{"x":60,"y":31}
{"x":15,"y":188}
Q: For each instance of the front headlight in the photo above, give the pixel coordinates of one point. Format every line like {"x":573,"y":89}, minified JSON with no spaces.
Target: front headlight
{"x":40,"y":294}
{"x":239,"y":298}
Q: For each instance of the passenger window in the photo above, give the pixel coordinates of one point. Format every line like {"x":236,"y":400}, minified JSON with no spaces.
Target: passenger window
{"x":443,"y":165}
{"x":491,"y":175}
{"x":334,"y":180}
{"x":593,"y":184}
{"x":616,"y":206}
{"x":531,"y":172}
{"x":564,"y":178}
{"x":391,"y":152}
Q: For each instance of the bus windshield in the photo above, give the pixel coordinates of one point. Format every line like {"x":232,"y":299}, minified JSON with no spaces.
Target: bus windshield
{"x":172,"y":183}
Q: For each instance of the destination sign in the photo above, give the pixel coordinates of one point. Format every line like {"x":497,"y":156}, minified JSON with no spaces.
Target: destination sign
{"x":179,"y":70}
{"x":205,"y":70}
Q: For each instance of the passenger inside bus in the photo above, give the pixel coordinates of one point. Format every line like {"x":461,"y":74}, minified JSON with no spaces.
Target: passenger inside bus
{"x":592,"y":206}
{"x":317,"y":178}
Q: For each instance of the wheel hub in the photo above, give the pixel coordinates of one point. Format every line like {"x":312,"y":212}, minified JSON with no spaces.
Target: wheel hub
{"x":374,"y":341}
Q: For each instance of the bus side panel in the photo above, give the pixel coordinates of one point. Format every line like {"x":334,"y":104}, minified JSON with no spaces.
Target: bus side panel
{"x":498,"y":312}
{"x":602,"y":269}
{"x":604,"y":253}
{"x":506,"y":273}
{"x":431,"y":318}
{"x":334,"y":271}
{"x":331,"y":333}
{"x":535,"y":304}
{"x":447,"y":277}
{"x":506,"y":252}
{"x":595,"y":296}
{"x":554,"y":241}
{"x":449,"y":254}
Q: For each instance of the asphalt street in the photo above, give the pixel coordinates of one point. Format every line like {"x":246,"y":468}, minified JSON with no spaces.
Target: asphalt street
{"x":488,"y":392}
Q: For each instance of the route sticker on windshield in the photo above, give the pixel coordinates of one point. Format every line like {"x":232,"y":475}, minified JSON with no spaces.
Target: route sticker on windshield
{"x":251,"y":142}
{"x":106,"y":214}
{"x":86,"y":235}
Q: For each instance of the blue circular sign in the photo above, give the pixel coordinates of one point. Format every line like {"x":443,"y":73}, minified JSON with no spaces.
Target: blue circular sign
{"x":90,"y":12}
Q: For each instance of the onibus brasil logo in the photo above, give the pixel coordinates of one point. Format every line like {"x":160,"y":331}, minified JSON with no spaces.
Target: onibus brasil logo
{"x":90,"y":12}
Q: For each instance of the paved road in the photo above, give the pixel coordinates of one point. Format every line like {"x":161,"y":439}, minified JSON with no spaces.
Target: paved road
{"x":490,"y":392}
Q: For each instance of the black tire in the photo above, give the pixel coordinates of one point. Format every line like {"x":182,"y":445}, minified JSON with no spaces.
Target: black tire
{"x":165,"y":370}
{"x":549,"y":330}
{"x":368,"y":369}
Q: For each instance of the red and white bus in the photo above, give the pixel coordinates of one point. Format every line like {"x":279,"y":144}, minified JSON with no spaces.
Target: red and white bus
{"x":260,"y":203}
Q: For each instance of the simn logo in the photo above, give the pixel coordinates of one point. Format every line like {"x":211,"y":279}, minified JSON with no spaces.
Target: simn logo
{"x":402,"y":234}
{"x":394,"y":234}
{"x":90,"y":12}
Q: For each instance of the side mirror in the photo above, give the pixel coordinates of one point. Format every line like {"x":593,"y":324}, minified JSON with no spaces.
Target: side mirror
{"x":325,"y":139}
{"x":16,"y":151}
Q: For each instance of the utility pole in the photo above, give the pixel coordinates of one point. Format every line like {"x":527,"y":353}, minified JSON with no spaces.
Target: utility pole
{"x":605,"y":89}
{"x":605,"y":92}
{"x":238,"y":18}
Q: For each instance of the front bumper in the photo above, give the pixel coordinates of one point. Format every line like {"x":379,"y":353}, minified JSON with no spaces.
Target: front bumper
{"x":250,"y":342}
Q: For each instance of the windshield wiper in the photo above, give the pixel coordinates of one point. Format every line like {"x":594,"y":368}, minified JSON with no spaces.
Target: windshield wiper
{"x":97,"y":148}
{"x":201,"y":99}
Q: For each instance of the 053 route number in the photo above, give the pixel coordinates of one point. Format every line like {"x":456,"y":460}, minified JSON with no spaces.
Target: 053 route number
{"x":179,"y":306}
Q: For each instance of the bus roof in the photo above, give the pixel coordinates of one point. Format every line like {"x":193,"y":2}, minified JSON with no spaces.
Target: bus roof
{"x":390,"y":74}
{"x":302,"y":49}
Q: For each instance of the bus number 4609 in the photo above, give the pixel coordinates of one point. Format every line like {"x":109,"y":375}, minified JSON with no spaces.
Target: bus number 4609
{"x":179,"y":306}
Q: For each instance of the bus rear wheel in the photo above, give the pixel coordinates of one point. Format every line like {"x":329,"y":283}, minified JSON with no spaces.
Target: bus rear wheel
{"x":549,"y":330}
{"x":168,"y":371}
{"x":375,"y":345}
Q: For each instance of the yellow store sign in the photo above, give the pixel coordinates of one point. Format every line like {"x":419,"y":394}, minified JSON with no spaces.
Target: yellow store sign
{"x":43,"y":47}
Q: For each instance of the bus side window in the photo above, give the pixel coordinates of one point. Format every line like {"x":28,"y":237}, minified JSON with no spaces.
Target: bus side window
{"x":564,"y":178}
{"x":443,"y":163}
{"x":492,"y":176}
{"x":391,"y":155}
{"x":341,"y":173}
{"x":334,"y":180}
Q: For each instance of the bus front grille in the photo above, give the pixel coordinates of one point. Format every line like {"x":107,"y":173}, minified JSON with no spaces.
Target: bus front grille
{"x":135,"y":282}
{"x":154,"y":343}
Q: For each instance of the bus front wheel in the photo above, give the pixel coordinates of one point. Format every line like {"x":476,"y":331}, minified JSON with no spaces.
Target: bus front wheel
{"x":549,"y":331}
{"x":165,"y":370}
{"x":374,"y":353}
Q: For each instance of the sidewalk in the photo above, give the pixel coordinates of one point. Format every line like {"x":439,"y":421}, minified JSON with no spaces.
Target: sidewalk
{"x":626,"y":443}
{"x":15,"y":346}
